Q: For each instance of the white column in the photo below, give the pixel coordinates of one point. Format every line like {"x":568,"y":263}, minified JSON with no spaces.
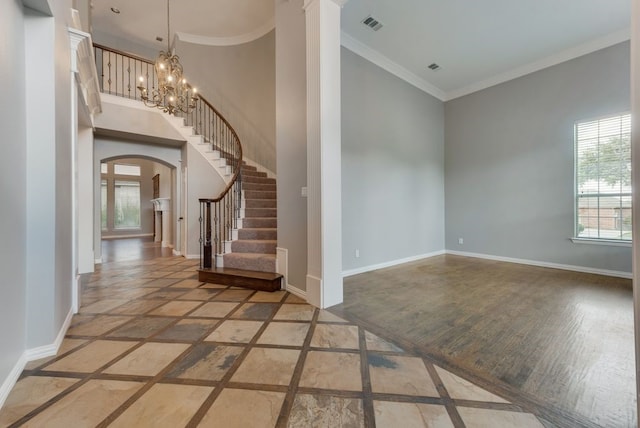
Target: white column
{"x":635,"y":153}
{"x":324,"y":208}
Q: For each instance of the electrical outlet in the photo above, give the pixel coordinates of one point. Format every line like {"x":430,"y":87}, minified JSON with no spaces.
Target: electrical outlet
{"x":357,"y":253}
{"x":460,"y":241}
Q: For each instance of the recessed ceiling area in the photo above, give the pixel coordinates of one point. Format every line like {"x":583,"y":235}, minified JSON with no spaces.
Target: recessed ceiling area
{"x":475,"y":44}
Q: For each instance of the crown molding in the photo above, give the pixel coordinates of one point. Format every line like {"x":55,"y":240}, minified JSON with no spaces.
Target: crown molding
{"x":566,"y":55}
{"x":392,"y":67}
{"x":228,"y":41}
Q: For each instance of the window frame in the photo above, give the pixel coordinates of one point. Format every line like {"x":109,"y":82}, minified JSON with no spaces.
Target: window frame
{"x":576,"y":238}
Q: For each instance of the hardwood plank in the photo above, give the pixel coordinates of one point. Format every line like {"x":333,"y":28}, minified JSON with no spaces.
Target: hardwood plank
{"x":562,"y":340}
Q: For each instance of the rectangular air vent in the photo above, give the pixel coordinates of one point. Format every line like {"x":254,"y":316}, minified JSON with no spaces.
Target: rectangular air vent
{"x":434,"y":66}
{"x":372,"y":23}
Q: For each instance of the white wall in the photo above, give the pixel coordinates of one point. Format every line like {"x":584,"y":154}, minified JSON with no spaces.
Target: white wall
{"x":13,"y":164}
{"x":291,"y":137}
{"x":510,"y":161}
{"x":392,"y":167}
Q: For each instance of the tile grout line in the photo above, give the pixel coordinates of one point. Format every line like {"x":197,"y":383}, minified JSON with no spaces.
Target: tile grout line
{"x":367,"y":392}
{"x":447,"y":401}
{"x":289,"y":400}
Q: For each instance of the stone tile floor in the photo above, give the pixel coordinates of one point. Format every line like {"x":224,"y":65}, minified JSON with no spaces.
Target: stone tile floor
{"x":153,"y":347}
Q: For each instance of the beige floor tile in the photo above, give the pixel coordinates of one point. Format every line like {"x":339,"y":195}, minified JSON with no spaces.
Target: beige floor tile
{"x":375,"y":343}
{"x":233,"y":295}
{"x":91,"y":357}
{"x":268,"y":296}
{"x":400,"y":375}
{"x":147,"y":360}
{"x":201,"y":294}
{"x":267,"y":366}
{"x":175,"y":308}
{"x":190,"y":275}
{"x":206,"y":361}
{"x":87,"y":405}
{"x":138,"y":307}
{"x":326,"y":411}
{"x":214,"y":286}
{"x":188,"y":330}
{"x":102,"y":306}
{"x":66,"y":345}
{"x":186,"y":283}
{"x":235,"y":331}
{"x":29,"y":393}
{"x":255,"y":311}
{"x":332,"y":370}
{"x":413,"y":415}
{"x":88,"y":325}
{"x":487,"y":418}
{"x":295,"y":299}
{"x":335,"y":336}
{"x":326,"y":316}
{"x":284,"y":333}
{"x":214,"y":310}
{"x":164,"y":406}
{"x":237,"y":408}
{"x":459,"y":388}
{"x":295,"y":313}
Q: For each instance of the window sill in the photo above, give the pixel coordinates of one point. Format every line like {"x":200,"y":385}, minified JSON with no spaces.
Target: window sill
{"x":595,"y":241}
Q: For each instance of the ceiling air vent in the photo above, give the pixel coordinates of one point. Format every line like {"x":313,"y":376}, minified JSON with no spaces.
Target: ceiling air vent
{"x":434,"y":67}
{"x":372,"y":23}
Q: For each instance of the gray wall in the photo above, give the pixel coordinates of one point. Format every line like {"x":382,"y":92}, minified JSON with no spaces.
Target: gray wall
{"x":13,"y":159}
{"x":240,"y":82}
{"x":509,"y":161}
{"x":392,"y":167}
{"x":291,"y":136}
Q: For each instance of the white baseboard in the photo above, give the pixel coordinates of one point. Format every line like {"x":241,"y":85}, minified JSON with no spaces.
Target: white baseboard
{"x":136,"y":235}
{"x":391,"y":263}
{"x":98,"y":261}
{"x":31,"y":355}
{"x":177,"y":253}
{"x":12,"y":378}
{"x":296,"y":291}
{"x":192,"y":256}
{"x":584,"y":269}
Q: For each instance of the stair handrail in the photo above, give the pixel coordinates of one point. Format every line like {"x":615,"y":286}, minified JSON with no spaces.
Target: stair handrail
{"x":215,"y":129}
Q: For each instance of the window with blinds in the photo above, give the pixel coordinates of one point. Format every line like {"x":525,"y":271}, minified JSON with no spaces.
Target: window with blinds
{"x":603,"y":178}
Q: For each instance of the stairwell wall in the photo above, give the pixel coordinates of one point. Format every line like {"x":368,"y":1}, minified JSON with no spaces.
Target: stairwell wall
{"x":392,"y":168}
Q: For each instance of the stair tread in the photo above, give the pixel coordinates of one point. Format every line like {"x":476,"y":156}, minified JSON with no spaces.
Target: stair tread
{"x":244,"y":273}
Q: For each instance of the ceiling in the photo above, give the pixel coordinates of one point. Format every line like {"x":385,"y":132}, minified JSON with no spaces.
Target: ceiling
{"x":476,"y":43}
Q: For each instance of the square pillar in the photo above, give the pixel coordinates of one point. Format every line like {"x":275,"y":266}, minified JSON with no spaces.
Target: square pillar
{"x":324,"y":207}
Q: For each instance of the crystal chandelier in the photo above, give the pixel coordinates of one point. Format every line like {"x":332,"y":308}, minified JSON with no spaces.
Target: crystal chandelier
{"x":173,"y":93}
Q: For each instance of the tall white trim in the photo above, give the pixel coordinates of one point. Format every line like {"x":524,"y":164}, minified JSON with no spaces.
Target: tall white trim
{"x":392,"y":67}
{"x":560,"y":57}
{"x":228,"y":41}
{"x":324,"y":181}
{"x":583,"y":269}
{"x":391,"y":263}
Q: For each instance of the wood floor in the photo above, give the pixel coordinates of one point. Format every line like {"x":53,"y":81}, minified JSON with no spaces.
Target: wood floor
{"x":562,"y":341}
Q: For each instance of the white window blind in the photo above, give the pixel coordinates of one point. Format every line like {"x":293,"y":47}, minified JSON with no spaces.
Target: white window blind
{"x":603,"y":178}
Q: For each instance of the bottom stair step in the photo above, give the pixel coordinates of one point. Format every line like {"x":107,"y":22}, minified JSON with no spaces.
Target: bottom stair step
{"x":254,"y":280}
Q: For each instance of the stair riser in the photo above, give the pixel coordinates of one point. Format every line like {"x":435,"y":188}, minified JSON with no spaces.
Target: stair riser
{"x":264,"y":234}
{"x":259,"y":180}
{"x":260,"y":212}
{"x":256,"y":194}
{"x":249,"y":173}
{"x":260,"y":265}
{"x":260,"y":187}
{"x":262,"y":247}
{"x":260,"y":223}
{"x":260,"y":203}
